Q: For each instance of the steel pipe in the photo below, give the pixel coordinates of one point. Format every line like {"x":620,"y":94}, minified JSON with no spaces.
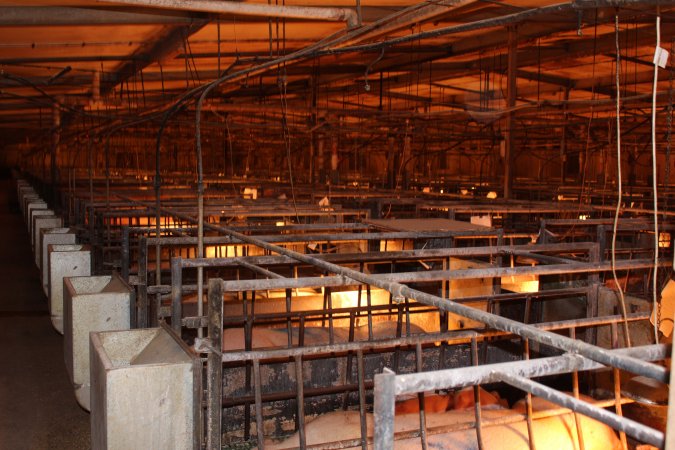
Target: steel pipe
{"x":491,"y":373}
{"x":250,"y":9}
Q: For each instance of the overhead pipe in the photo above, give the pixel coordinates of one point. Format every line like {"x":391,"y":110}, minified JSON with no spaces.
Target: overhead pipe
{"x":250,"y":9}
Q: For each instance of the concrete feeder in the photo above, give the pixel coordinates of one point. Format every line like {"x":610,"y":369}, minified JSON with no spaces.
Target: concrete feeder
{"x":25,"y":201}
{"x":143,"y":385}
{"x":33,"y":204}
{"x":52,"y":236}
{"x":64,"y":261}
{"x":42,"y":223}
{"x":24,"y":191}
{"x":35,"y":213}
{"x":21,"y":195}
{"x":98,"y":303}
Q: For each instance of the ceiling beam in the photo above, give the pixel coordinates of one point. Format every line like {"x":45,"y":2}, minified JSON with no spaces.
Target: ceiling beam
{"x":155,"y":51}
{"x":21,"y":16}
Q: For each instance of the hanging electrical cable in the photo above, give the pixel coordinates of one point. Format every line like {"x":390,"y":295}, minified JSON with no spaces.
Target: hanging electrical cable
{"x":622,"y":299}
{"x":655,"y":283}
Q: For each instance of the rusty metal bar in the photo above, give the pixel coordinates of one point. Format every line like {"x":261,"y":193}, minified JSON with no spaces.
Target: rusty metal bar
{"x":575,"y":391}
{"x":403,"y":255}
{"x":361,"y":379}
{"x":258,"y":405}
{"x":420,"y":399}
{"x":528,"y":401}
{"x":176,"y":294}
{"x":391,"y":281}
{"x":468,"y":376}
{"x":476,"y":397}
{"x":214,"y":366}
{"x":299,"y":382}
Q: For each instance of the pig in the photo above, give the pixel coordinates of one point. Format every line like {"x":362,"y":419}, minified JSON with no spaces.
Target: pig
{"x":556,"y":432}
{"x":464,"y":399}
{"x":433,"y":403}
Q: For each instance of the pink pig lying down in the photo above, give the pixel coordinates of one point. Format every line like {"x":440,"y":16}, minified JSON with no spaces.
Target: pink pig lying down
{"x":551,"y":433}
{"x":233,"y":338}
{"x":462,"y":399}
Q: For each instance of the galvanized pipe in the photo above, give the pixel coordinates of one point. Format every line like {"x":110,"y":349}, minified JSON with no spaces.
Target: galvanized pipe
{"x":430,"y":275}
{"x":250,"y":9}
{"x":491,"y":373}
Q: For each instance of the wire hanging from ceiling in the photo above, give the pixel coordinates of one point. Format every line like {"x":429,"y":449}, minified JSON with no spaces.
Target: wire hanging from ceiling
{"x":655,"y":293}
{"x":622,"y":299}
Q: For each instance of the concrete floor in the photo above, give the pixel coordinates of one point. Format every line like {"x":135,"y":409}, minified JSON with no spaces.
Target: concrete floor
{"x":38,"y":409}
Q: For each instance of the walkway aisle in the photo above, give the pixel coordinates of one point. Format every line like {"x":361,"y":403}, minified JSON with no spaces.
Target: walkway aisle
{"x":38,"y":409}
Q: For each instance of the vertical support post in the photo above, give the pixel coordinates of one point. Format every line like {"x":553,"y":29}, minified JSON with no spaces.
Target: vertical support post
{"x":670,"y":424}
{"x":142,"y":316}
{"x":259,"y":421}
{"x":176,"y":294}
{"x":595,"y":256}
{"x":510,"y":103}
{"x":312,"y":137}
{"x":300,"y":388}
{"x":361,"y":376}
{"x":334,"y":161}
{"x":214,"y":366}
{"x":391,"y":162}
{"x":198,"y":410}
{"x":385,"y":398}
{"x":56,"y":140}
{"x":125,"y":254}
{"x":563,"y":138}
{"x":312,"y":162}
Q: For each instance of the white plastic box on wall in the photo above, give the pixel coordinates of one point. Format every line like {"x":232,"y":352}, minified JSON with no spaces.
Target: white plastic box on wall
{"x":64,"y":261}
{"x":144,"y":391}
{"x":95,"y":303}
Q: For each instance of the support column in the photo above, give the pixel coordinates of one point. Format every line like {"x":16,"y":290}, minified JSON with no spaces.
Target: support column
{"x":563,"y":142}
{"x":56,"y":140}
{"x":391,"y":162}
{"x":320,"y":167}
{"x":510,"y":103}
{"x":334,"y":161}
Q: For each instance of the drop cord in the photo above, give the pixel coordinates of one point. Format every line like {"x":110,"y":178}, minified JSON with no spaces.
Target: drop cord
{"x":622,"y":299}
{"x":654,"y":181}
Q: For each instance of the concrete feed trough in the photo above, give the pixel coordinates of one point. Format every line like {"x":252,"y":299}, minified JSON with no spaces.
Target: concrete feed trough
{"x":98,"y":303}
{"x":42,"y":223}
{"x":64,"y":261}
{"x":52,"y":236}
{"x":142,"y":391}
{"x":22,"y":195}
{"x":31,"y":205}
{"x":34,"y":214}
